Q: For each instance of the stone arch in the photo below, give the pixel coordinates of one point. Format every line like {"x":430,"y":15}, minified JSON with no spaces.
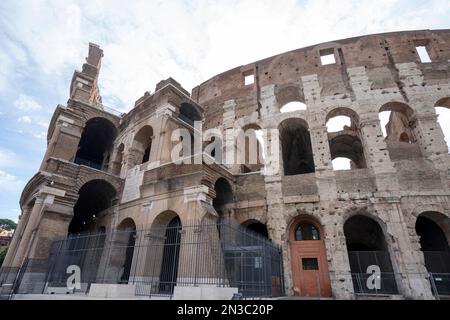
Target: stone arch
{"x":224,"y":197}
{"x":343,"y":111}
{"x":350,"y":147}
{"x":256,"y":226}
{"x":164,"y":250}
{"x":442,"y":109}
{"x":85,"y":178}
{"x":399,"y":123}
{"x":94,"y":197}
{"x":96,"y":142}
{"x":118,"y":159}
{"x":296,"y":148}
{"x":368,"y":244}
{"x":309,"y":263}
{"x":249,"y":148}
{"x":443,"y":102}
{"x":290,"y":95}
{"x":142,"y":145}
{"x":125,"y":240}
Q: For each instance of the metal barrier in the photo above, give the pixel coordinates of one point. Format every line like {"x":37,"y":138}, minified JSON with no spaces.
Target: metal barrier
{"x":159,"y":259}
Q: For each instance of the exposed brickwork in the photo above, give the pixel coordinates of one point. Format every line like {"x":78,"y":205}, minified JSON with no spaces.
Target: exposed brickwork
{"x":393,"y":183}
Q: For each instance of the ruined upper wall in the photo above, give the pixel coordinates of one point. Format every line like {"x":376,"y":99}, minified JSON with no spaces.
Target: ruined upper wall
{"x":378,"y":53}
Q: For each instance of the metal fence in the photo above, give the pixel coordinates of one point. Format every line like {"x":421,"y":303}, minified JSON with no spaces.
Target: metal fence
{"x":159,"y":259}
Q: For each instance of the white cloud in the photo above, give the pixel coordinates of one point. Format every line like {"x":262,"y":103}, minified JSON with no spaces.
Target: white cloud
{"x":24,"y":119}
{"x":145,"y":42}
{"x":10,"y":183}
{"x":26,"y":103}
{"x":8,"y":158}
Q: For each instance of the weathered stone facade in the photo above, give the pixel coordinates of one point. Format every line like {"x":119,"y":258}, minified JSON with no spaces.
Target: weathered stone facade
{"x":392,"y":180}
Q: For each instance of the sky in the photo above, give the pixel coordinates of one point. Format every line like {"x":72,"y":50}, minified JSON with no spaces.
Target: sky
{"x":43,"y":42}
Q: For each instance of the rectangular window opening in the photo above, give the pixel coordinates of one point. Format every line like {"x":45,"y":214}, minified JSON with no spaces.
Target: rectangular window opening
{"x":310,"y":264}
{"x":423,"y":54}
{"x":327,"y":56}
{"x":249,"y":79}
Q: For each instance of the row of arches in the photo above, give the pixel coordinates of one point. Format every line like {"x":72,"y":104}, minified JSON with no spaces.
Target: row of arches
{"x":96,"y":144}
{"x":95,"y":148}
{"x":365,"y":240}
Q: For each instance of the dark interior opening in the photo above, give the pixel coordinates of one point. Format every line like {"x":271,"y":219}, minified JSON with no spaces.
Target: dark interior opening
{"x":224,"y":194}
{"x":189,"y":114}
{"x":296,"y":148}
{"x":95,"y":143}
{"x":366,"y":246}
{"x":94,"y":197}
{"x":258,"y":228}
{"x":169,"y":267}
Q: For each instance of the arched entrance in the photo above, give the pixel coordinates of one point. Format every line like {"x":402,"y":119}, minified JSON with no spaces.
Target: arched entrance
{"x":95,"y":144}
{"x":308,"y":257}
{"x":257,"y":227}
{"x":431,"y":227}
{"x":170,"y":257}
{"x":296,"y":147}
{"x":126,"y":238}
{"x":366,"y":246}
{"x":95,"y":196}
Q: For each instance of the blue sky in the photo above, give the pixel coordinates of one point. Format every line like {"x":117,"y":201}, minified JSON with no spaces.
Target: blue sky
{"x":42,"y":42}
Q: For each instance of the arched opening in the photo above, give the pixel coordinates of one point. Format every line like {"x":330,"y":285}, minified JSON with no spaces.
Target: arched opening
{"x":290,"y":98}
{"x":170,"y":256}
{"x":95,"y":144}
{"x":342,"y":119}
{"x":431,"y":227}
{"x":142,"y":145}
{"x":404,"y":138}
{"x":396,"y":120}
{"x":293,"y":106}
{"x":224,"y":196}
{"x":189,"y":114}
{"x":257,"y":227}
{"x":296,"y":147}
{"x":250,"y":148}
{"x":126,"y":239}
{"x":344,"y":139}
{"x":442,"y":108}
{"x":94,"y":197}
{"x":117,"y":164}
{"x":341,"y":163}
{"x":366,"y":246}
{"x":310,"y":273}
{"x":348,"y":147}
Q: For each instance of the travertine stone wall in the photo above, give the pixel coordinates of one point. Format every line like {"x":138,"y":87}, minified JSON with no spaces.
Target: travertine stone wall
{"x":372,"y":73}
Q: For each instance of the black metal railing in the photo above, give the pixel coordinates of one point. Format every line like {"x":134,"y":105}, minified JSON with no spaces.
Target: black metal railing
{"x":88,"y":163}
{"x":159,"y":259}
{"x":360,"y":261}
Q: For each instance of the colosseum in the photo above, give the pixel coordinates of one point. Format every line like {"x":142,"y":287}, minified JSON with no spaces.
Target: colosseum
{"x":113,"y":214}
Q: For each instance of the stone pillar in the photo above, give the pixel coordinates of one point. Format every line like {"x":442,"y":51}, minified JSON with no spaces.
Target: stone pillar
{"x":17,"y":238}
{"x":337,"y":256}
{"x":325,"y":178}
{"x":24,"y":245}
{"x":377,"y":154}
{"x":276,"y":224}
{"x":410,"y":273}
